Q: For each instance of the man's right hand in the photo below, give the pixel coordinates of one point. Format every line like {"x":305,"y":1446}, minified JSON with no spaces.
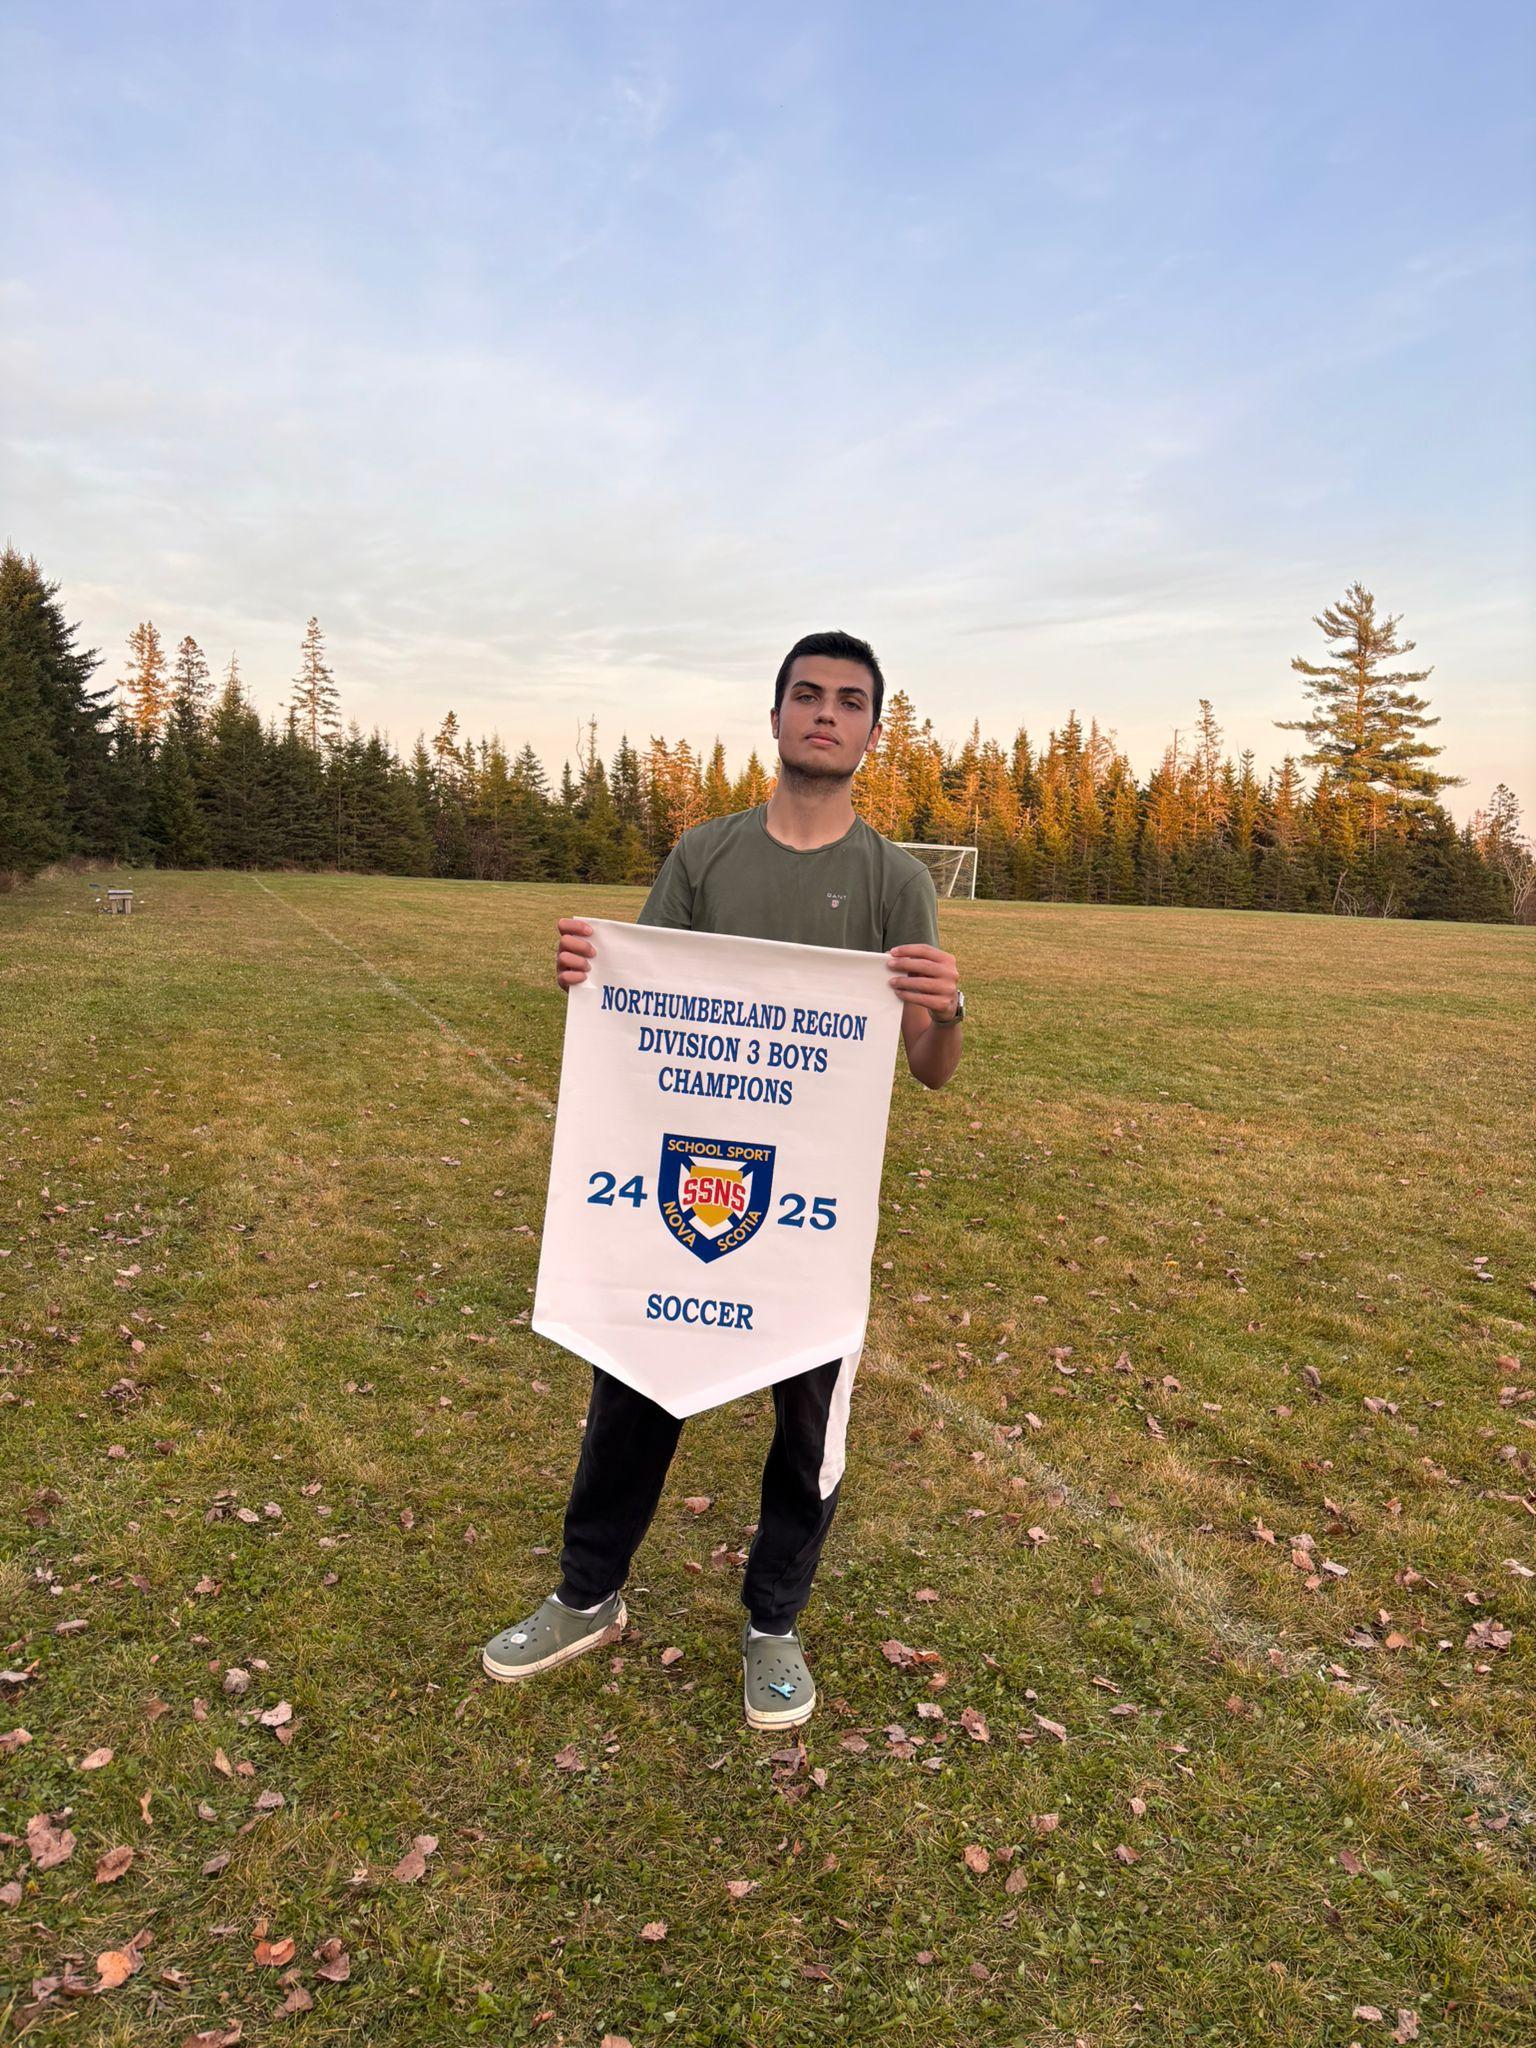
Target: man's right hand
{"x":574,"y":952}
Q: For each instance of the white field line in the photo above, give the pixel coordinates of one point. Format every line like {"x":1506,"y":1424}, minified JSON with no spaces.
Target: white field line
{"x":403,"y":995}
{"x":1486,"y":1778}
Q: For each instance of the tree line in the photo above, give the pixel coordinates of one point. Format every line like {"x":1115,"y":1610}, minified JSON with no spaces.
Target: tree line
{"x":176,"y":770}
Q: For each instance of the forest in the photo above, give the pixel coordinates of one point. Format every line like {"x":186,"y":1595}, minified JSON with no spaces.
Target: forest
{"x":173,"y":768}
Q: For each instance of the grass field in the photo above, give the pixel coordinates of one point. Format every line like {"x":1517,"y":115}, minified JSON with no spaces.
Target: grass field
{"x":1195,"y":1435}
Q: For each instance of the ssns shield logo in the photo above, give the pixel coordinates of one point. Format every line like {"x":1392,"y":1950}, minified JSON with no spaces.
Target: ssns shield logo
{"x":713,"y":1194}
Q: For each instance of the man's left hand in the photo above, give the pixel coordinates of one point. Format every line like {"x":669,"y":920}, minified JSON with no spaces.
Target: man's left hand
{"x":925,"y":975}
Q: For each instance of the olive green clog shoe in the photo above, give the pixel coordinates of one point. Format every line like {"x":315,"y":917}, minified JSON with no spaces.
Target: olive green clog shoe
{"x":551,"y":1635}
{"x":778,"y":1690}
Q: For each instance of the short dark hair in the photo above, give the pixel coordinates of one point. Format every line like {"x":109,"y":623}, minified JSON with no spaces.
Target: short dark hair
{"x":838,"y":647}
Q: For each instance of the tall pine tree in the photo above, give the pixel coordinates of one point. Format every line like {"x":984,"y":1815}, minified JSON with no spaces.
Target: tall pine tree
{"x":57,"y":788}
{"x":146,"y":687}
{"x":316,"y":700}
{"x":1368,"y":725}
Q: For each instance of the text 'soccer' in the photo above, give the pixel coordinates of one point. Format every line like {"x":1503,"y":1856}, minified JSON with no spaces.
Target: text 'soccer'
{"x":783,"y":1056}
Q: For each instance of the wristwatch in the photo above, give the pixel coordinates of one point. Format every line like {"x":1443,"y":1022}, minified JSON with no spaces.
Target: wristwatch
{"x":949,"y":1023}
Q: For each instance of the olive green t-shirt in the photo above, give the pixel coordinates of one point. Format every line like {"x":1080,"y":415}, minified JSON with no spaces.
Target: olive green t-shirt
{"x":731,"y":875}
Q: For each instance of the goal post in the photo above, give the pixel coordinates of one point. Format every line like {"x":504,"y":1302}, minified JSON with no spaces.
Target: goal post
{"x":953,"y":867}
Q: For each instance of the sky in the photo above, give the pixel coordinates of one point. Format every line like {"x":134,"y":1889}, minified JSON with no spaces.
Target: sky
{"x":572,"y":360}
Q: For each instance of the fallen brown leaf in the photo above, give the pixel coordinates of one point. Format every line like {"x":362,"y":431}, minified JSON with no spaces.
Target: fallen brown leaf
{"x":413,"y":1864}
{"x":333,"y":1959}
{"x":115,"y":1966}
{"x":654,"y":1930}
{"x":111,"y":1866}
{"x":1489,"y":1634}
{"x":47,"y":1845}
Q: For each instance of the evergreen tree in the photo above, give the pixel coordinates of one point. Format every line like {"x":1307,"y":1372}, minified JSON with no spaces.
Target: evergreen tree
{"x":130,"y":793}
{"x":1021,"y":772}
{"x":442,"y":797}
{"x":379,"y":829}
{"x":597,"y":852}
{"x":1164,"y":822}
{"x":1294,"y":819}
{"x":191,"y":689}
{"x":753,"y":786}
{"x":527,"y":818}
{"x":1367,"y":726}
{"x":146,"y":686}
{"x":1502,"y":843}
{"x":176,"y":821}
{"x":297,"y":799}
{"x":489,"y":801}
{"x":628,"y":786}
{"x":316,"y":700}
{"x":717,"y":784}
{"x":56,"y":776}
{"x":353,"y":784}
{"x":239,"y":819}
{"x":1123,"y":831}
{"x":33,"y":786}
{"x":405,"y":844}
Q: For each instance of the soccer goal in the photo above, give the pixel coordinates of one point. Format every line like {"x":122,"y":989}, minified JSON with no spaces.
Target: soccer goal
{"x":953,"y":867}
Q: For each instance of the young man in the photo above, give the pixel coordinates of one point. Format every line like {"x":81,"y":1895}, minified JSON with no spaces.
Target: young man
{"x":801,"y":867}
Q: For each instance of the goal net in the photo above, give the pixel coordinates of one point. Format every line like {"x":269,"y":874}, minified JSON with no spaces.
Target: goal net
{"x":953,"y":867}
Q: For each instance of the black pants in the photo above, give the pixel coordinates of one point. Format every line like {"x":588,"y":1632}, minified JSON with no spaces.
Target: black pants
{"x":625,"y":1453}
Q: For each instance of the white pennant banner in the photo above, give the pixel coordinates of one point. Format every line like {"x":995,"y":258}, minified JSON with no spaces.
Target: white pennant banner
{"x":715,"y":1183}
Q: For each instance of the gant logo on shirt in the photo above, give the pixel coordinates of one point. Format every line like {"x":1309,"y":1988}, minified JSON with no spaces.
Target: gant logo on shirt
{"x":837,"y":898}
